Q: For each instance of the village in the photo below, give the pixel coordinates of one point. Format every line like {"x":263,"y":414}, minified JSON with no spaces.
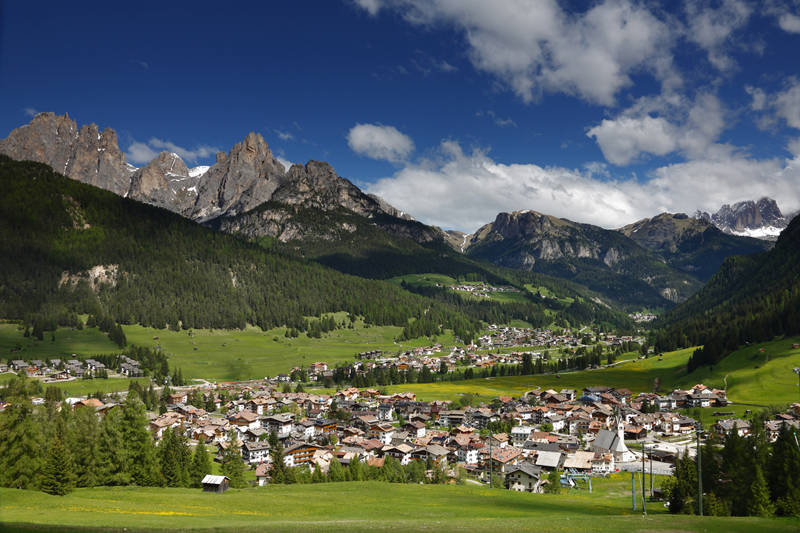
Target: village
{"x":517,"y":442}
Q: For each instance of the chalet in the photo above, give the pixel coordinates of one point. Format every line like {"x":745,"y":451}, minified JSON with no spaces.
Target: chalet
{"x":262,"y":474}
{"x":281,"y":424}
{"x":415,"y":429}
{"x":255,"y":452}
{"x":524,"y":477}
{"x":401,"y":452}
{"x":504,"y":458}
{"x":299,"y":454}
{"x":519,"y":434}
{"x":18,"y":365}
{"x":218,"y":484}
{"x":723,"y":427}
{"x":323,"y":426}
{"x":245,"y":420}
{"x":451,"y":418}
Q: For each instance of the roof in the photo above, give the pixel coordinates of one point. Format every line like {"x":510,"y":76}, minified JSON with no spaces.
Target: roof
{"x":582,"y":460}
{"x":527,"y":468}
{"x":214,"y":480}
{"x":548,"y":459}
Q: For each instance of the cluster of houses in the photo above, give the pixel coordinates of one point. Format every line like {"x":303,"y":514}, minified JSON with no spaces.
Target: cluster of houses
{"x":481,"y":290}
{"x":65,"y":369}
{"x":582,"y":432}
{"x":642,"y":317}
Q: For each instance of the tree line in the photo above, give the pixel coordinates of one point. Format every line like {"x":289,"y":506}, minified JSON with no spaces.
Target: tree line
{"x":744,"y":476}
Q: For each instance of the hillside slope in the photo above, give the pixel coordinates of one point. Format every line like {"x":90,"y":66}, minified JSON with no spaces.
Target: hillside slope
{"x":69,"y":247}
{"x":691,"y":245}
{"x":606,"y":261}
{"x":750,"y":298}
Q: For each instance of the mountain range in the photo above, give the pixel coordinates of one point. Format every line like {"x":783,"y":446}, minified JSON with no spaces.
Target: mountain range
{"x":311,"y":211}
{"x":761,"y":219}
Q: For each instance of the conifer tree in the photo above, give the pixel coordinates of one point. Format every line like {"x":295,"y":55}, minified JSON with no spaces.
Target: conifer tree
{"x":113,"y":461}
{"x":85,"y":447}
{"x":232,"y":465}
{"x":57,"y":474}
{"x":201,"y":465}
{"x":139,"y":447}
{"x":20,"y":446}
{"x":758,"y":501}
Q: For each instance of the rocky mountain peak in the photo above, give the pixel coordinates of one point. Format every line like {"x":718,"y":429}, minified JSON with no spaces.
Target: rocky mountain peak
{"x":762,"y":219}
{"x":239,"y":181}
{"x":83,"y":154}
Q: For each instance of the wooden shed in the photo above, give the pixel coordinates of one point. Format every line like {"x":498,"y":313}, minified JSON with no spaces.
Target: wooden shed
{"x":218,"y":484}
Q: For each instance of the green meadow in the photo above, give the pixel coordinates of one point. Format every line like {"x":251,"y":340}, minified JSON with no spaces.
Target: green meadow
{"x":218,"y":354}
{"x":752,"y":376}
{"x":362,"y":506}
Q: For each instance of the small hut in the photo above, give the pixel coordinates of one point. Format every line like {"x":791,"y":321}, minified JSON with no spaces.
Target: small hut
{"x":218,"y":484}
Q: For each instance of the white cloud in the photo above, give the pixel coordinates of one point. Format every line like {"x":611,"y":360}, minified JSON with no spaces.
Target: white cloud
{"x":787,"y":104}
{"x":789,"y":23}
{"x":284,"y":135}
{"x":371,"y":6}
{"x":380,"y":142}
{"x":534,"y":46}
{"x":464,"y":191}
{"x":624,"y":138}
{"x":29,"y":111}
{"x":794,"y":147}
{"x":142,"y":153}
{"x":781,"y":105}
{"x":681,"y":125}
{"x":285,"y":162}
{"x":712,"y":29}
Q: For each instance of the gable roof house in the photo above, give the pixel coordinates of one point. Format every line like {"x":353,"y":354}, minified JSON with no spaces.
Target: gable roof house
{"x":524,"y":477}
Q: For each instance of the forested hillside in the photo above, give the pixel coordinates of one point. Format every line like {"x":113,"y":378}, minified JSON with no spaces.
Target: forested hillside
{"x":68,"y":248}
{"x":750,"y":299}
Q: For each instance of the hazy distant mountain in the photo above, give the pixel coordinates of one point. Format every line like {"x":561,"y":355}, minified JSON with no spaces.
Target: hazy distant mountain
{"x":762,"y":219}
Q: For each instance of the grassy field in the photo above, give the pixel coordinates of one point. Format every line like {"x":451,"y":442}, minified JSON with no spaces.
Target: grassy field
{"x":431,"y":280}
{"x":773,"y":382}
{"x":369,"y":506}
{"x":217,"y":354}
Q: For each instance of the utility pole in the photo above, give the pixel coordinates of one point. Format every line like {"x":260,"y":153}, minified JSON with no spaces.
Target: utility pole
{"x":644,"y":490}
{"x":699,"y":473}
{"x":651,"y":472}
{"x":633,"y":488}
{"x":490,"y":460}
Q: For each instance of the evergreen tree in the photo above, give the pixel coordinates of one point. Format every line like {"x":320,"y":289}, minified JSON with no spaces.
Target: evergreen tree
{"x":276,"y":455}
{"x":232,"y":465}
{"x":139,"y":447}
{"x":20,"y":445}
{"x":85,"y":447}
{"x":113,"y":460}
{"x":57,"y":475}
{"x":553,"y":482}
{"x":758,"y":501}
{"x":336,"y":472}
{"x":201,"y":465}
{"x":317,"y":476}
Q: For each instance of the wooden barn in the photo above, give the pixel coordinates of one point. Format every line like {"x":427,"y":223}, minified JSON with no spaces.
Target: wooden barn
{"x":218,"y":484}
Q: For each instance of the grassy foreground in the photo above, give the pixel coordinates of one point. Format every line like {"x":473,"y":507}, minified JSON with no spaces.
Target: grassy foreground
{"x":752,"y":376}
{"x":368,"y":506}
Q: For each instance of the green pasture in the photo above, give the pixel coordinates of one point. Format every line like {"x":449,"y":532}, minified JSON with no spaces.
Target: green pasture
{"x":772,"y":383}
{"x":217,"y":354}
{"x":363,"y":506}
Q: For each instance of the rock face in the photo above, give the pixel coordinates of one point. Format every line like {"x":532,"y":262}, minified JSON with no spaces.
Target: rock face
{"x":165,"y":182}
{"x":83,"y":154}
{"x":245,"y":178}
{"x":693,"y":245}
{"x":761,"y":219}
{"x":239,"y":181}
{"x":605,"y":260}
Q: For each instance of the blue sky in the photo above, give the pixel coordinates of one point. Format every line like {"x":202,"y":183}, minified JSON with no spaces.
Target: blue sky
{"x":453,"y":110}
